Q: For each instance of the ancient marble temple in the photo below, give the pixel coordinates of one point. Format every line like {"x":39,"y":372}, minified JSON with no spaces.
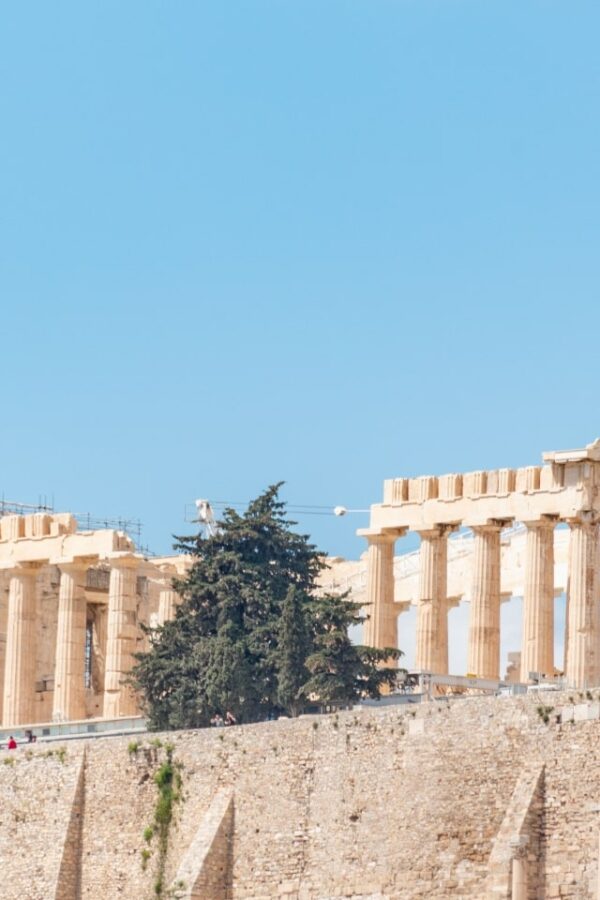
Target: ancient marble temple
{"x":71,"y":606}
{"x":566,"y":489}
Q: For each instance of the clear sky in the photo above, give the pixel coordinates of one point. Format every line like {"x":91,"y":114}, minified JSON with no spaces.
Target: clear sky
{"x":325,"y":242}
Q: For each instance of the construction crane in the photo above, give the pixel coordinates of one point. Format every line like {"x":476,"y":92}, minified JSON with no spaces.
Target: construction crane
{"x":206,"y":517}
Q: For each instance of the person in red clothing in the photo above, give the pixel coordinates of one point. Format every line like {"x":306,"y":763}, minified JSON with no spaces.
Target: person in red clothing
{"x":12,"y":744}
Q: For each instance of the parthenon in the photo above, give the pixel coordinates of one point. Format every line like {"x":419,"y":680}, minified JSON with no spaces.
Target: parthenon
{"x":71,"y":606}
{"x":564,"y":490}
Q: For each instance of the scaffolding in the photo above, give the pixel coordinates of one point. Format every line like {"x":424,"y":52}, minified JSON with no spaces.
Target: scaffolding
{"x":15,"y":508}
{"x":88,"y":522}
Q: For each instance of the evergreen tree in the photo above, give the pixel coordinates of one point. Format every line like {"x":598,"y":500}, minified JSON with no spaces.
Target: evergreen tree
{"x":295,"y":645}
{"x":251,"y":635}
{"x":340,"y":671}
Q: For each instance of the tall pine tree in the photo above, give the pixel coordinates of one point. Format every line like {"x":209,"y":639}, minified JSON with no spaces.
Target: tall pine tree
{"x":252,"y":635}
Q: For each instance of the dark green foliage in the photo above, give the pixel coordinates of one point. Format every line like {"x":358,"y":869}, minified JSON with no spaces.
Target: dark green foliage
{"x":251,"y":636}
{"x":168,"y":782}
{"x":341,"y":671}
{"x":295,"y":644}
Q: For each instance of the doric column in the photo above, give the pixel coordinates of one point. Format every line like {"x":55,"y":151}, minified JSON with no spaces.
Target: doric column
{"x":380,"y":626}
{"x":119,"y":699}
{"x":19,"y":670}
{"x":537,"y":650}
{"x":582,"y":623}
{"x":69,"y":669}
{"x":432,"y":610}
{"x":167,"y":602}
{"x":4,"y":582}
{"x":484,"y":626}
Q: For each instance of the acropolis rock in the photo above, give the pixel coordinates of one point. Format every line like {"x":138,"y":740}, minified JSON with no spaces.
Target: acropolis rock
{"x":479,"y":799}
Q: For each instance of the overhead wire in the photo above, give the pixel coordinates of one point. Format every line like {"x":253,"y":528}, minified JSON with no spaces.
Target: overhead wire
{"x":300,"y":509}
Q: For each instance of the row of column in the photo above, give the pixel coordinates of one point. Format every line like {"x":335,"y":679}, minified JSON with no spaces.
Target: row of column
{"x":582,"y":637}
{"x":69,"y":673}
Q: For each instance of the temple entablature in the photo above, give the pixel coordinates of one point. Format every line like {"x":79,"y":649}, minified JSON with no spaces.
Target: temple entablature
{"x":48,"y":538}
{"x":565,"y":488}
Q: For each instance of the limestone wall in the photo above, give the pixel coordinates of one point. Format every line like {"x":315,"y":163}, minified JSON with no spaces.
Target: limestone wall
{"x":38,"y":791}
{"x":572,"y":813}
{"x":379,"y":803}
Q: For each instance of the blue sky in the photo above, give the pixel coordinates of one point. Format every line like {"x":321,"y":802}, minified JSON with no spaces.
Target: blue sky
{"x":321,"y":242}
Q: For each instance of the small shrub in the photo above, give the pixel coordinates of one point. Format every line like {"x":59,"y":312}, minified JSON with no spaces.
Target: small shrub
{"x":145,"y":854}
{"x":62,"y":753}
{"x":163,"y":810}
{"x":133,"y":747}
{"x":544,"y":713}
{"x":9,"y":760}
{"x":148,"y":833}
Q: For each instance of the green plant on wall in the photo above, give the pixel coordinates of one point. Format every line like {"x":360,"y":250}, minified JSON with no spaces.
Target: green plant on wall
{"x":167,"y":779}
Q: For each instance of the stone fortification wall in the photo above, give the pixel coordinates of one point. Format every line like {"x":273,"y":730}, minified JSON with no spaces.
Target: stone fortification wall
{"x":39,"y":789}
{"x":571,"y":814}
{"x":379,"y":803}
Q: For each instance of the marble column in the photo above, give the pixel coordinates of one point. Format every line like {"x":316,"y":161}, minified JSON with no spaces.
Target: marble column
{"x":167,"y":602}
{"x":583,"y":660}
{"x":69,"y":669}
{"x":537,"y":649}
{"x":119,"y":699}
{"x":484,"y":626}
{"x":380,"y":628}
{"x":4,"y":582}
{"x":18,"y":706}
{"x":432,"y":610}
